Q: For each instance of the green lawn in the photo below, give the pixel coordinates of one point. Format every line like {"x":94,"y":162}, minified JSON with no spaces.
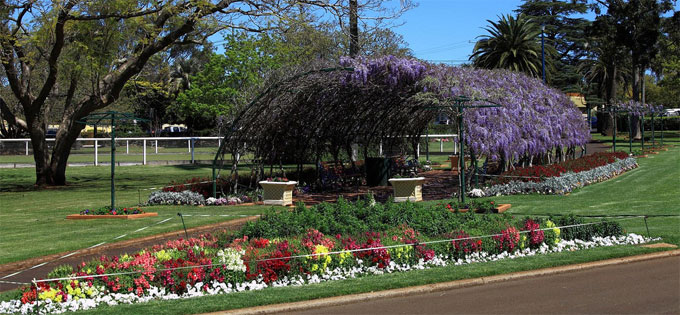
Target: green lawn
{"x":35,"y":219}
{"x":652,"y":189}
{"x":623,"y":144}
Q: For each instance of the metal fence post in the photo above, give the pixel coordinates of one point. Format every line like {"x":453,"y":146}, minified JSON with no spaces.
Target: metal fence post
{"x":144,"y":153}
{"x":441,"y":145}
{"x":455,"y":144}
{"x":156,"y":145}
{"x":191,"y":148}
{"x":127,"y":146}
{"x":26,"y":147}
{"x":96,"y":152}
{"x":189,"y":145}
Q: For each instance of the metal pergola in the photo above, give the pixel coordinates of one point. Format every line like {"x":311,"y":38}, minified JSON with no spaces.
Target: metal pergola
{"x":615,"y":111}
{"x":114,"y":117}
{"x":458,"y":105}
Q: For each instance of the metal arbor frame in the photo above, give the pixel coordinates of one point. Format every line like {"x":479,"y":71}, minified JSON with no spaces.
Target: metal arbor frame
{"x":458,"y":105}
{"x":237,"y":120}
{"x":615,"y":111}
{"x":113,"y":116}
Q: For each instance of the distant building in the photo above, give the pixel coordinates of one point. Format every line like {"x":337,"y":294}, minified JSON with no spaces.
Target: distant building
{"x":580,"y":101}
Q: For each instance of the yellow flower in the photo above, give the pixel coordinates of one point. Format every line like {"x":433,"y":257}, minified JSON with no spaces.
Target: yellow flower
{"x":343,"y":256}
{"x":162,"y":255}
{"x":555,"y":229}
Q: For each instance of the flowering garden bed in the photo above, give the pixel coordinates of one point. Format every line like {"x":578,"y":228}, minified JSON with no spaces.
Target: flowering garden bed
{"x":187,"y":197}
{"x":108,"y":213}
{"x":564,"y":177}
{"x":111,"y":216}
{"x":539,"y":173}
{"x":225,"y":263}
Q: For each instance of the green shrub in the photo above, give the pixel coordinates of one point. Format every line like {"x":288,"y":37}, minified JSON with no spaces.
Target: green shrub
{"x":586,"y":232}
{"x":61,"y":271}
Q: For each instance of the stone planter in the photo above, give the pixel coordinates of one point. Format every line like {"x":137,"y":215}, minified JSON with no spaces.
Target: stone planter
{"x":455,"y":168}
{"x":111,"y":216}
{"x":410,"y":189}
{"x":277,"y":193}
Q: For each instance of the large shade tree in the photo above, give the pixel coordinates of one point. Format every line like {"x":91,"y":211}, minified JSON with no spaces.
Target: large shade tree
{"x":75,"y":57}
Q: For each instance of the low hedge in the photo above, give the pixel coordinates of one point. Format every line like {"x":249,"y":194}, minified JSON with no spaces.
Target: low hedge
{"x":347,"y":218}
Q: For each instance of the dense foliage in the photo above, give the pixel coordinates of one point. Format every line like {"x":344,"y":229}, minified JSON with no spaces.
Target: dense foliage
{"x":345,"y":218}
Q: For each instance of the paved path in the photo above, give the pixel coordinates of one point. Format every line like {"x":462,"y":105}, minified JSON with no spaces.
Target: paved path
{"x":646,"y":287}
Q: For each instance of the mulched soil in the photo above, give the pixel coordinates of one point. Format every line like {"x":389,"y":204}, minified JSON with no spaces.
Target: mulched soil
{"x":439,"y":184}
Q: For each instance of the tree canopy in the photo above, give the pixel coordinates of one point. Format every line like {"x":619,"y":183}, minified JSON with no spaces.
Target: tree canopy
{"x":512,"y":43}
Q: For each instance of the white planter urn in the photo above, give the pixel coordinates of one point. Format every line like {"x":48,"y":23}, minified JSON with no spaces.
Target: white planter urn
{"x":277,"y":193}
{"x":410,"y":189}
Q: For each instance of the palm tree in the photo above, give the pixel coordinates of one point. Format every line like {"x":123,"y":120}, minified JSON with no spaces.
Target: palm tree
{"x":512,"y":43}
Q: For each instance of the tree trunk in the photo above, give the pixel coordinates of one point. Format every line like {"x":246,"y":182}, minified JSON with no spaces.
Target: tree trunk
{"x":68,"y":132}
{"x":605,"y":121}
{"x":636,"y":97}
{"x":353,"y":28}
{"x":36,"y":130}
{"x":51,"y":169}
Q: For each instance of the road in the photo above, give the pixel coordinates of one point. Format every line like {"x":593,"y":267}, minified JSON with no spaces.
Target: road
{"x":646,"y":287}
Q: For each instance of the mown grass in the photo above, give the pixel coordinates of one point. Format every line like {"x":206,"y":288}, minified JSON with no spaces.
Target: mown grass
{"x":34,"y":221}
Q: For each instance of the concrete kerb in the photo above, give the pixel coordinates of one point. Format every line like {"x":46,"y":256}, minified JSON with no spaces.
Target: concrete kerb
{"x":429,"y":288}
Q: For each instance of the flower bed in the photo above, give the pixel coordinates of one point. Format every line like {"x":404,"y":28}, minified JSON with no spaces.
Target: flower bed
{"x":541,"y":172}
{"x":337,"y":241}
{"x":107,"y":213}
{"x":257,"y":263}
{"x":187,"y":197}
{"x":564,"y":183}
{"x":229,"y":201}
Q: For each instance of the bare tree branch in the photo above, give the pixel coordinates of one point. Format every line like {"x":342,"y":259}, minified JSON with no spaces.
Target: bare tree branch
{"x":54,"y":56}
{"x":117,"y":16}
{"x":7,"y":114}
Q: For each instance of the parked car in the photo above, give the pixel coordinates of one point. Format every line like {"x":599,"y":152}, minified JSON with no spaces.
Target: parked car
{"x":173,"y":131}
{"x":672,"y":112}
{"x":51,"y":132}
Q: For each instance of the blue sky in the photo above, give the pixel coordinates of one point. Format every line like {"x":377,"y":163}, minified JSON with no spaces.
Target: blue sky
{"x":447,"y":29}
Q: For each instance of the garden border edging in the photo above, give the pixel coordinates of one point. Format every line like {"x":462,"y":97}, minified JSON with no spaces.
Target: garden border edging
{"x":435,"y":287}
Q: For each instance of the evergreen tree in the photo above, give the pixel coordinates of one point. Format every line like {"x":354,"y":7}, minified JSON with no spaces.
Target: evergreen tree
{"x":565,"y":33}
{"x":512,"y":43}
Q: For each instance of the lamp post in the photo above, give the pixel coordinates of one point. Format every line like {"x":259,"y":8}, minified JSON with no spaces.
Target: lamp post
{"x":543,"y":50}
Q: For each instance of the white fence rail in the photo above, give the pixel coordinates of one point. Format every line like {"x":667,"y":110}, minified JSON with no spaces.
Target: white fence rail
{"x":191,"y":141}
